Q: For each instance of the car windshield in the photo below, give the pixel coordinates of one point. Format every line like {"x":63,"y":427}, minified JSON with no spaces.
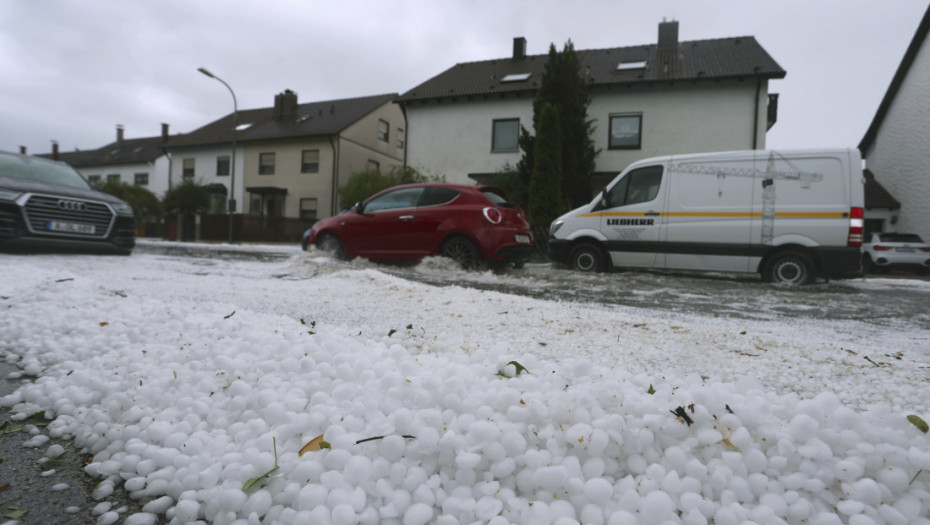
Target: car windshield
{"x":900,"y":237}
{"x":31,"y":168}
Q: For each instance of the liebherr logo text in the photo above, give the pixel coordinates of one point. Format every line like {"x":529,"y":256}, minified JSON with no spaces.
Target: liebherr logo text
{"x":630,"y":222}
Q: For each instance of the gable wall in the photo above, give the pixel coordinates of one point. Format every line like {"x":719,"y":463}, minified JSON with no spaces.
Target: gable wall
{"x":454,"y":138}
{"x":900,"y":154}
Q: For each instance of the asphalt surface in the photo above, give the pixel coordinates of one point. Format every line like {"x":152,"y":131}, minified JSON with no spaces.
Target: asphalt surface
{"x":55,"y":493}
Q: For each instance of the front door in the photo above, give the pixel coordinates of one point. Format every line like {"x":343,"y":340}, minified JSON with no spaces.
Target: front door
{"x":631,"y":219}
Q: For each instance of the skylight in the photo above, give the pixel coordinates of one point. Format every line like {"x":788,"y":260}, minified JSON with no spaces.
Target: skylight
{"x":626,"y":66}
{"x":241,"y":127}
{"x":517,"y":77}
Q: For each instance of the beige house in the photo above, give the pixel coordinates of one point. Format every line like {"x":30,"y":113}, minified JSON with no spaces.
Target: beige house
{"x":291,"y":158}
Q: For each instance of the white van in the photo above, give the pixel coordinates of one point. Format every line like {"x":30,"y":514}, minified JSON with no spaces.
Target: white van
{"x":790,"y":216}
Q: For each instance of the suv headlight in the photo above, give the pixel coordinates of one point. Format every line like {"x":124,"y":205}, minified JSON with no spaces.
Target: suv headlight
{"x":122,"y":208}
{"x":554,"y":227}
{"x":7,"y":195}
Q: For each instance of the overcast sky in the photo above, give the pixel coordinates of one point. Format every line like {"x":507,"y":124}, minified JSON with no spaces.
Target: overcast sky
{"x":71,"y":71}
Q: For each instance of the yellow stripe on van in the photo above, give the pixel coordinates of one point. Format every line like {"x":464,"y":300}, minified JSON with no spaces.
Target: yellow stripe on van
{"x":722,"y":214}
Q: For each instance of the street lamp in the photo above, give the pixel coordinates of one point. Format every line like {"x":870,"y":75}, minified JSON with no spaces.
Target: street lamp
{"x":231,"y":207}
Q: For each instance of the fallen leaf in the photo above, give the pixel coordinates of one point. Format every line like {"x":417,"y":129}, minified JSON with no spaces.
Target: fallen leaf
{"x":104,"y":323}
{"x":919,"y":423}
{"x":315,"y":444}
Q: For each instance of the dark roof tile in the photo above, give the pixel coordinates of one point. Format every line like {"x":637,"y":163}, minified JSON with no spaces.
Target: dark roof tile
{"x":726,"y":58}
{"x":310,"y":119}
{"x":130,"y":151}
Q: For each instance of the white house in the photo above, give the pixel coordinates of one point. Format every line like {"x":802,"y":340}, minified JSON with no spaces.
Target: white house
{"x":141,"y":162}
{"x":897,"y":144}
{"x":647,"y":100}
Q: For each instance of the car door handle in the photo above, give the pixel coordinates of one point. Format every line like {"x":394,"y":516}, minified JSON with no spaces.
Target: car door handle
{"x":406,"y":217}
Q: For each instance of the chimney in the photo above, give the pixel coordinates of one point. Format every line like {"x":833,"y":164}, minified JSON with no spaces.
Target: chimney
{"x":285,"y":104}
{"x":22,"y":150}
{"x":55,"y":150}
{"x":119,"y":135}
{"x":668,"y":34}
{"x":164,"y":133}
{"x":519,"y":48}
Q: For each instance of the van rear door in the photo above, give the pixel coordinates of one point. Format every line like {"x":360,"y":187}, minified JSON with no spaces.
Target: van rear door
{"x":631,"y":216}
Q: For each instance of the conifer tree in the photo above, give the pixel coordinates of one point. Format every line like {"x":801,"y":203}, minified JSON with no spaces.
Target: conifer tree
{"x":545,"y":203}
{"x":564,"y":86}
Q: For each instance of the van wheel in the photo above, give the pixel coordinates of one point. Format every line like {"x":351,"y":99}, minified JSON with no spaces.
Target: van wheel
{"x":329,"y":244}
{"x":586,"y":258}
{"x":792,"y":268}
{"x":462,"y":251}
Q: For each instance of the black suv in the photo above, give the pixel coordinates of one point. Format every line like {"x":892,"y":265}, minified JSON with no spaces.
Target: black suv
{"x":47,"y":205}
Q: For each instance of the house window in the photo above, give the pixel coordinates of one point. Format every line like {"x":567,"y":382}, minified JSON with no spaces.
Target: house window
{"x":308,"y":209}
{"x":113,"y":178}
{"x":374,"y":165}
{"x":93,"y":178}
{"x":505,"y":134}
{"x":222,"y":165}
{"x":266,"y":164}
{"x":188,"y":169}
{"x":310,"y":161}
{"x":383,"y":130}
{"x":626,"y":131}
{"x":141,"y":179}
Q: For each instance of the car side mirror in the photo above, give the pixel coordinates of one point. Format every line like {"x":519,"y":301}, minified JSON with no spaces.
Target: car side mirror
{"x":359,"y":208}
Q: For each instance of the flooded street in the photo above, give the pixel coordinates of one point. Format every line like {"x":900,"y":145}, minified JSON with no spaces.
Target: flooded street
{"x":897,"y":301}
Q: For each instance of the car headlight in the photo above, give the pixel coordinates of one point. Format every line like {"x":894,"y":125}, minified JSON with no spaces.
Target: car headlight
{"x":122,"y":208}
{"x":554,"y":227}
{"x":7,"y":195}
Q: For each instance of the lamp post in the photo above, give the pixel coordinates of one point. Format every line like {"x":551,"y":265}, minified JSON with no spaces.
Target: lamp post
{"x":231,"y":206}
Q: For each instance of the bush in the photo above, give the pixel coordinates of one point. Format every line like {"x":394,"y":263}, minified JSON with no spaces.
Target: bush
{"x":145,"y":205}
{"x":187,"y":197}
{"x":364,"y":184}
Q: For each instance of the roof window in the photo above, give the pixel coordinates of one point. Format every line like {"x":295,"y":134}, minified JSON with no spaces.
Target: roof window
{"x":241,"y":127}
{"x":627,"y":66}
{"x":517,"y":77}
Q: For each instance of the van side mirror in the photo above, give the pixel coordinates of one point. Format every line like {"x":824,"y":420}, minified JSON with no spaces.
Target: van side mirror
{"x":601,"y":200}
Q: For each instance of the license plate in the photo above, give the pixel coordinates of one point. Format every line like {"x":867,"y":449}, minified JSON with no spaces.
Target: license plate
{"x":525,"y":239}
{"x":904,"y":249}
{"x":71,"y":227}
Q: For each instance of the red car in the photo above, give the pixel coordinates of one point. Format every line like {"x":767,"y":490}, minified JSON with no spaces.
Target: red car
{"x":475,"y":225}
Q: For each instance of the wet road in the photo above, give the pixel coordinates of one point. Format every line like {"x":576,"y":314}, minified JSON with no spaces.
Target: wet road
{"x":889,"y":301}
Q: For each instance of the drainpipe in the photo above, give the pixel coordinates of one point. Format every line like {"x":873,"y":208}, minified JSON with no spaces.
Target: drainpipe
{"x":403,"y":109}
{"x":755,"y":116}
{"x":334,"y":197}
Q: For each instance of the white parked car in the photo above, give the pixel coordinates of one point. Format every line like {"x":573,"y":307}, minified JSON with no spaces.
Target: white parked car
{"x":896,"y":250}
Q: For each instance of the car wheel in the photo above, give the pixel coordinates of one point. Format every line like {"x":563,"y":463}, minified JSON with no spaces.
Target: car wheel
{"x":586,"y":258}
{"x":793,"y":268}
{"x":329,"y":244}
{"x":462,"y":251}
